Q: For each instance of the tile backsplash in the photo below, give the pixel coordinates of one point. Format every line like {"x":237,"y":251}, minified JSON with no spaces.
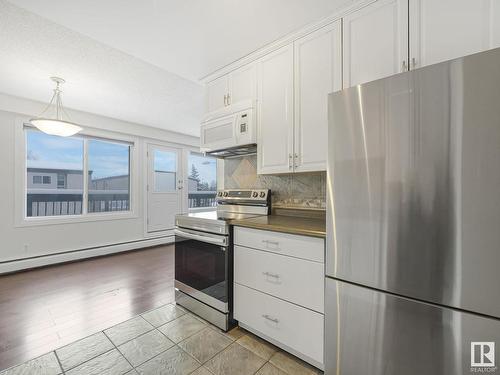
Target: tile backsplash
{"x":298,"y":190}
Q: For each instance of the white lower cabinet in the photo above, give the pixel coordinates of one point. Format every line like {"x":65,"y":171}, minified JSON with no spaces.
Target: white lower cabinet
{"x":279,"y":289}
{"x":300,"y":330}
{"x":296,"y":280}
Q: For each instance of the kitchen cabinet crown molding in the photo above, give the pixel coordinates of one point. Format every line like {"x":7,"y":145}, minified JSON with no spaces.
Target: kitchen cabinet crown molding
{"x":287,"y":39}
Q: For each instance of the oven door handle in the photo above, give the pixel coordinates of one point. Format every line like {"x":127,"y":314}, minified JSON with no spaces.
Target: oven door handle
{"x":222,"y":241}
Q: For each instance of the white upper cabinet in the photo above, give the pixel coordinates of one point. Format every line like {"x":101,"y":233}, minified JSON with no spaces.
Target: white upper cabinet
{"x":275,"y":111}
{"x":375,"y":41}
{"x":216,"y":94}
{"x":442,"y":30}
{"x":318,"y":72}
{"x":231,"y":88}
{"x":242,"y":84}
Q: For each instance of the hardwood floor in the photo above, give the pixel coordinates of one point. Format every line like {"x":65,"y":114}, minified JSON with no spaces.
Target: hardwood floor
{"x":46,"y":308}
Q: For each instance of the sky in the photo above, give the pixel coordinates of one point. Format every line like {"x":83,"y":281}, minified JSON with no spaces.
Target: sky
{"x":105,"y":158}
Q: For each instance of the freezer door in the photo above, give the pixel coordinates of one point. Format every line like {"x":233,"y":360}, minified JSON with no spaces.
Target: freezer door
{"x":413,"y":184}
{"x":370,"y":332}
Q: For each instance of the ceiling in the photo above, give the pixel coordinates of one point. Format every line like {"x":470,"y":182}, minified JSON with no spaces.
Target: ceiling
{"x":191,"y":38}
{"x":138,"y":60}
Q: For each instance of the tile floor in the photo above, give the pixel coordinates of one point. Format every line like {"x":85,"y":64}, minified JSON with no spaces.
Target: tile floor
{"x":166,"y":341}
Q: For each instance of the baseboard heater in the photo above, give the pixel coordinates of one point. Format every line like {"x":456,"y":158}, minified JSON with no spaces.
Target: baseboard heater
{"x":14,"y":265}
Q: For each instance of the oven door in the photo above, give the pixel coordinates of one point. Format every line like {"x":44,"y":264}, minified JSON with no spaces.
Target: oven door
{"x":202,"y":267}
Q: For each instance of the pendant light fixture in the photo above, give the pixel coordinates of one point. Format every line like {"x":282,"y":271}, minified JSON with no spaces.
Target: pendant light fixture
{"x":51,"y":120}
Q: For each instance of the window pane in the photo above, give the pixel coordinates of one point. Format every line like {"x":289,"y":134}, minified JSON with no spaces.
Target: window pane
{"x":109,"y":176}
{"x":202,"y":180}
{"x":165,"y":167}
{"x":47,"y":157}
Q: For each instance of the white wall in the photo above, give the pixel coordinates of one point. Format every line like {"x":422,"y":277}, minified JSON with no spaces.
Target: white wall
{"x":19,"y":242}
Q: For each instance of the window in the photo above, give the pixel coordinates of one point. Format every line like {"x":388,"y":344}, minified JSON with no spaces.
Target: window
{"x":165,"y":166}
{"x":109,"y":176}
{"x":61,"y":181}
{"x":56,"y":176}
{"x":202,"y":180}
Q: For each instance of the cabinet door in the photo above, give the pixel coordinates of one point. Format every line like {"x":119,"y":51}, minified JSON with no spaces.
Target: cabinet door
{"x":318,"y":72}
{"x":216,"y":90}
{"x":242,"y":84}
{"x":446,"y":29}
{"x":375,"y":42}
{"x":275,"y":111}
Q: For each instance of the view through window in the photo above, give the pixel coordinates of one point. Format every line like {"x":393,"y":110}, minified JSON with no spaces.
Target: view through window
{"x":202,"y":180}
{"x":55,"y":175}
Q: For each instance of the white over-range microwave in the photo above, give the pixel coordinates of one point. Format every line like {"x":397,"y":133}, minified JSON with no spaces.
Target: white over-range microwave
{"x":230,"y":134}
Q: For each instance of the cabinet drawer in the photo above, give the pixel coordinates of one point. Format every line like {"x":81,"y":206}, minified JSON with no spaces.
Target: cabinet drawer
{"x":296,"y":280}
{"x":311,"y":248}
{"x":295,"y":327}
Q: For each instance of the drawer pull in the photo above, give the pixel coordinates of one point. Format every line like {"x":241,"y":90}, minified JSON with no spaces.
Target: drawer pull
{"x":273,"y":243}
{"x":274,"y":320}
{"x":268,"y":274}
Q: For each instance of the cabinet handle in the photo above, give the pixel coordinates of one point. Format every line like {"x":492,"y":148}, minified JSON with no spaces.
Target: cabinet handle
{"x":295,"y":160}
{"x":225,"y":100}
{"x":413,"y":63}
{"x":404,"y":67}
{"x":273,"y":275}
{"x":274,"y":320}
{"x":276,"y":243}
{"x":228,"y":99}
{"x":289,"y":161}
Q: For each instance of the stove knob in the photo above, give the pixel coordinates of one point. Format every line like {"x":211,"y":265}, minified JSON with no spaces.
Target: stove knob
{"x":255,"y":194}
{"x":262,"y":194}
{"x":226,"y":193}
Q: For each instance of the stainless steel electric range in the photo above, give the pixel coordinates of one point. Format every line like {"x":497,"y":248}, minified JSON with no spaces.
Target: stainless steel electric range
{"x":204,"y":254}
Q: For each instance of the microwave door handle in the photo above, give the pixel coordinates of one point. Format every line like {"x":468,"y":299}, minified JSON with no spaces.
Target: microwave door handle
{"x":201,"y":238}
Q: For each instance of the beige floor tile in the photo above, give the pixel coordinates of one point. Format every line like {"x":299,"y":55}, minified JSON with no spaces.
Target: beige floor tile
{"x":205,"y":344}
{"x":172,"y":362}
{"x":257,"y":345}
{"x":181,"y":328}
{"x":269,"y":369}
{"x":234,"y":334}
{"x":235,"y":360}
{"x":201,"y":371}
{"x":145,"y":347}
{"x":45,"y":365}
{"x":128,"y":330}
{"x":81,"y":351}
{"x":110,"y":363}
{"x":164,"y":314}
{"x":292,"y":365}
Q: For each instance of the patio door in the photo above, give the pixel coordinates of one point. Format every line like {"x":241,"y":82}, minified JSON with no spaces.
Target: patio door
{"x":165,"y":184}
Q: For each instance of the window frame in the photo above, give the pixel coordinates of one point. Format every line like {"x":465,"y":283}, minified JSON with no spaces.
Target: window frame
{"x":21,"y":218}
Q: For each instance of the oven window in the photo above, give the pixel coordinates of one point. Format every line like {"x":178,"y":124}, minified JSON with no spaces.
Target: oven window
{"x":202,"y":266}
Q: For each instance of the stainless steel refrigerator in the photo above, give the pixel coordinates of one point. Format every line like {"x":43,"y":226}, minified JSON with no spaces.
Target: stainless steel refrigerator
{"x":413,"y":245}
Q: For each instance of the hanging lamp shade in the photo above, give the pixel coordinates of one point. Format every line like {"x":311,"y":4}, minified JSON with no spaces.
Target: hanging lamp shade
{"x":54,"y":120}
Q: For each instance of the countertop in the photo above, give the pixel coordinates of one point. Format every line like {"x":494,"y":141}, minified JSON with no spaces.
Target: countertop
{"x":294,"y":221}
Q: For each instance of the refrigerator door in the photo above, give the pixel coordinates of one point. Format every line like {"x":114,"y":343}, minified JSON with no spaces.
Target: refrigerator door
{"x":413,"y":184}
{"x":370,"y":332}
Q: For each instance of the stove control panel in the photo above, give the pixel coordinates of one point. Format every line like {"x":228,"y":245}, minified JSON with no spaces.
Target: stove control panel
{"x":243,"y":195}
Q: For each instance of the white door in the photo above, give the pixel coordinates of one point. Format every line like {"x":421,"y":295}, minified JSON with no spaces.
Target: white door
{"x":375,"y":42}
{"x":275,"y":111}
{"x":217,"y":91}
{"x":446,"y":29}
{"x":318,"y":72}
{"x":165,"y":183}
{"x":242,"y":84}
